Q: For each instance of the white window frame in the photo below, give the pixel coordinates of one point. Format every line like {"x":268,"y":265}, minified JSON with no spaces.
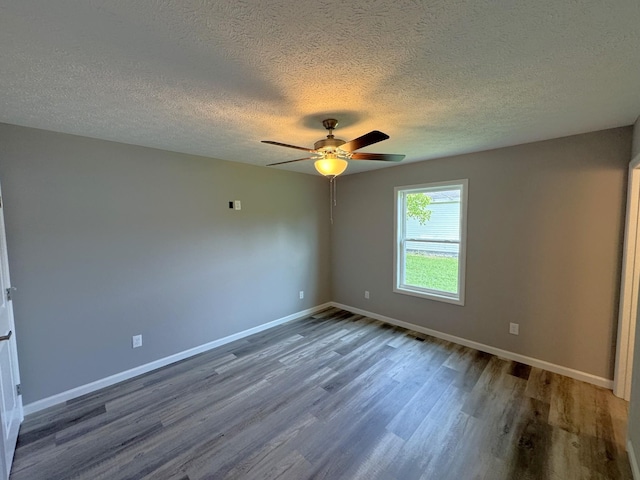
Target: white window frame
{"x":399,"y":263}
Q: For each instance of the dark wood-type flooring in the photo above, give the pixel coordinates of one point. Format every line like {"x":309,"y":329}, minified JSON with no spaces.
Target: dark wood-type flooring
{"x":335,"y":396}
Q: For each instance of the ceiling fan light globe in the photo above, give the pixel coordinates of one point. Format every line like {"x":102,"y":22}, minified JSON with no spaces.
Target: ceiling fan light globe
{"x":331,"y":167}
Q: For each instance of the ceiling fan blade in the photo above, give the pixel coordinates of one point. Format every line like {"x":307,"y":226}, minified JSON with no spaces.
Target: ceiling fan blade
{"x":385,"y":157}
{"x":288,"y":146}
{"x":364,"y":141}
{"x":289,"y":161}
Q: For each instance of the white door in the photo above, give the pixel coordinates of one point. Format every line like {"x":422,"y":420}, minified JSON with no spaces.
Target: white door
{"x":11,"y":413}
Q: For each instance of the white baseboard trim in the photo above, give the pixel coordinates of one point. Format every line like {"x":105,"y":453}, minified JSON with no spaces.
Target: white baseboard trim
{"x":134,"y":372}
{"x":633,"y":460}
{"x":534,"y":362}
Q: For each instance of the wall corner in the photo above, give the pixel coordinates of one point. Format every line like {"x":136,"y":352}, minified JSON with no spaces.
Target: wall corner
{"x":635,"y":146}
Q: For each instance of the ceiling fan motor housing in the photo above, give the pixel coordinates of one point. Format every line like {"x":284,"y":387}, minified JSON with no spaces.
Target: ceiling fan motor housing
{"x":329,"y":144}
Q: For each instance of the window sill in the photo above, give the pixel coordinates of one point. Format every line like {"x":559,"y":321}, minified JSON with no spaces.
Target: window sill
{"x":430,"y":296}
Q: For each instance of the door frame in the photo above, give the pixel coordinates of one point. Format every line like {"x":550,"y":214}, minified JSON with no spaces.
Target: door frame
{"x":629,"y":287}
{"x":8,"y":449}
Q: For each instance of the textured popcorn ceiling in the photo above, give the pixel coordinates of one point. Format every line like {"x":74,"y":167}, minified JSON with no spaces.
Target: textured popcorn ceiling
{"x":214,"y":78}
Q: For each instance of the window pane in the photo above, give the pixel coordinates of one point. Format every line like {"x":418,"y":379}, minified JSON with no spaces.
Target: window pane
{"x":442,"y":219}
{"x":432,"y":265}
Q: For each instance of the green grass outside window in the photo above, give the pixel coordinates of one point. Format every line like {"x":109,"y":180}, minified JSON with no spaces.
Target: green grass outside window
{"x":436,"y":273}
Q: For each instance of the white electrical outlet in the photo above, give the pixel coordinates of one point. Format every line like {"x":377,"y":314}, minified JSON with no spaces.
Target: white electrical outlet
{"x":301,"y":294}
{"x":237,"y":204}
{"x":514,"y":329}
{"x":366,"y":294}
{"x":136,"y":341}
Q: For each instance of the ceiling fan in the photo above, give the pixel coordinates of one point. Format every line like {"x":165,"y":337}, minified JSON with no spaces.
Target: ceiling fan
{"x":332,"y":154}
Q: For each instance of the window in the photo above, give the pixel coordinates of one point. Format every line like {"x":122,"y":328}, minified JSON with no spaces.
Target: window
{"x":430,"y":240}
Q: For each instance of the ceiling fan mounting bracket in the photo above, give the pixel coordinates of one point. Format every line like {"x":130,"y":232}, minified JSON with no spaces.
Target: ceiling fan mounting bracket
{"x":330,"y":123}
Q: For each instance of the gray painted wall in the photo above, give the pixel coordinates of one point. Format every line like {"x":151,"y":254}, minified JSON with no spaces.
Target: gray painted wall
{"x":109,"y":240}
{"x":544,"y":243}
{"x":633,"y":433}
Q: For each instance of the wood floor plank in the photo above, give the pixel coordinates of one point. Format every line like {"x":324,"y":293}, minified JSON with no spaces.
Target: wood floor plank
{"x":572,"y":405}
{"x":539,"y":385}
{"x":281,"y":446}
{"x":408,"y":418}
{"x":359,"y":437}
{"x":221,"y":455}
{"x":375,"y":463}
{"x":338,"y":396}
{"x":427,"y":443}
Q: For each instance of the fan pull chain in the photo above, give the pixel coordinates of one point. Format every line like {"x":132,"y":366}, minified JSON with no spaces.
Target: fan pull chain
{"x":333,"y":196}
{"x":331,"y":185}
{"x":335,"y":191}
